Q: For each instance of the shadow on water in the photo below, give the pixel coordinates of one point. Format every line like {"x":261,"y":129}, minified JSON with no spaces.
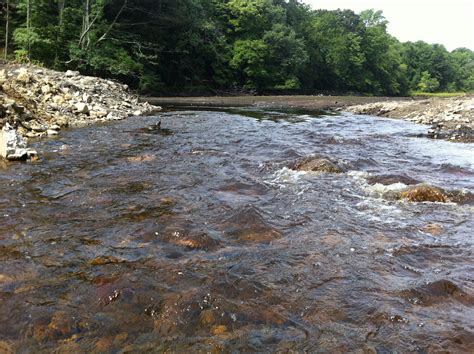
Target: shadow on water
{"x":200,"y":234}
{"x":294,"y":115}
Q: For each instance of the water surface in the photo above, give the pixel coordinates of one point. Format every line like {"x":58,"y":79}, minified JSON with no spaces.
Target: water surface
{"x":201,"y":238}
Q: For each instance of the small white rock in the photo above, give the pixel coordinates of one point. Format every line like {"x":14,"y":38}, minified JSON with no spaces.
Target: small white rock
{"x":81,"y":107}
{"x":52,"y":132}
{"x":71,"y":73}
{"x":23,"y":75}
{"x":45,"y":89}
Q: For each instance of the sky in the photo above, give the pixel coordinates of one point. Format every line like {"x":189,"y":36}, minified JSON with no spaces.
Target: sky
{"x":450,"y":23}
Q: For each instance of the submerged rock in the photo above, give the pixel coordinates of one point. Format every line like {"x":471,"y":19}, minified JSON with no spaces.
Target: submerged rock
{"x":440,"y":291}
{"x":425,"y":193}
{"x":192,"y":241}
{"x":462,"y":197}
{"x":248,"y":225}
{"x":389,"y":179}
{"x":433,"y":229}
{"x":318,"y":164}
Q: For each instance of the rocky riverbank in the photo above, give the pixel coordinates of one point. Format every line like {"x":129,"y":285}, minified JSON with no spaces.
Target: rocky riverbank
{"x":449,"y":118}
{"x":37,"y":102}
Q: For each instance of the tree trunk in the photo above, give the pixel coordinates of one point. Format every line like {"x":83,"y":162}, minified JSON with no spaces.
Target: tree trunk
{"x":86,"y":25}
{"x":28,"y":26}
{"x":59,"y":34}
{"x":7,"y":25}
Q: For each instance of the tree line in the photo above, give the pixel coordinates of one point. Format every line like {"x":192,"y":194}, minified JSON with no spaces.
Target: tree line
{"x":162,"y":46}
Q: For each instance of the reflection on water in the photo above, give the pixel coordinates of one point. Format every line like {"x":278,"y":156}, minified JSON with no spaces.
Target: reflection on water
{"x":200,"y":238}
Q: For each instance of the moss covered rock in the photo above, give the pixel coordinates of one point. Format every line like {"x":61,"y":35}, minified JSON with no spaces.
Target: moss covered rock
{"x":425,"y":193}
{"x":318,"y":164}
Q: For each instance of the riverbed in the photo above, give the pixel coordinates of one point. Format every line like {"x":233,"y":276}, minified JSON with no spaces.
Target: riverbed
{"x":198,"y":236}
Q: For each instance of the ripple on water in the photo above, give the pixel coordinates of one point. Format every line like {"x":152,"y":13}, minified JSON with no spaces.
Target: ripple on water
{"x":130,"y":238}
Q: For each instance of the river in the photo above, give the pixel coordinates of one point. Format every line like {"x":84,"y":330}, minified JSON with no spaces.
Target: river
{"x":200,"y":237}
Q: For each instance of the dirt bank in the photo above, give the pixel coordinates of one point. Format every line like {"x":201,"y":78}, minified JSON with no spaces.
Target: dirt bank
{"x":448,"y":118}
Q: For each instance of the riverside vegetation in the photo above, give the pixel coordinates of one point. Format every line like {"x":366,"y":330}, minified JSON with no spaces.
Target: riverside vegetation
{"x":213,"y":46}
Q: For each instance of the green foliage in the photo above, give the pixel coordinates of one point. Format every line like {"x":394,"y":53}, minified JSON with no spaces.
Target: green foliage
{"x":249,"y":60}
{"x":155,"y":45}
{"x":437,"y":94}
{"x":428,"y":83}
{"x":372,"y":18}
{"x":21,"y":56}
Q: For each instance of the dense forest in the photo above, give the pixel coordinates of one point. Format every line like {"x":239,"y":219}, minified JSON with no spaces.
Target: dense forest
{"x":168,"y":46}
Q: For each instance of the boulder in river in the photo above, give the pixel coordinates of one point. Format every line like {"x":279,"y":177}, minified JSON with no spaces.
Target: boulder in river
{"x":425,"y":193}
{"x":318,"y":164}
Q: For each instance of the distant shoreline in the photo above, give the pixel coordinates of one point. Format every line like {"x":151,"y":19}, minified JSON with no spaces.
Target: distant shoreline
{"x":449,"y":118}
{"x":301,"y":102}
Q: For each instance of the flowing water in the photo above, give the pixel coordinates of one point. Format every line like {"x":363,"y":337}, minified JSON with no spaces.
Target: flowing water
{"x":199,"y":237}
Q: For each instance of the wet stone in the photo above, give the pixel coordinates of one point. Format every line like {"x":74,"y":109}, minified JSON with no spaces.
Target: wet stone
{"x":62,"y":324}
{"x":104,"y":345}
{"x":248,"y":225}
{"x":318,"y":164}
{"x":142,"y":158}
{"x":425,"y":193}
{"x":198,"y":241}
{"x":6,"y":347}
{"x":461,"y":197}
{"x":103,"y":260}
{"x":391,"y":179}
{"x":433,"y":229}
{"x":207,"y":318}
{"x":438,"y":291}
{"x":219,"y":330}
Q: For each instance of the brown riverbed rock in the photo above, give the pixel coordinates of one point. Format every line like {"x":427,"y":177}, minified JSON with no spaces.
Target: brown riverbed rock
{"x":425,"y":193}
{"x":389,"y":179}
{"x":103,"y":260}
{"x":207,"y":317}
{"x":219,"y":330}
{"x":104,"y":345}
{"x":193,"y":241}
{"x":461,"y":197}
{"x":318,"y":164}
{"x":6,"y":347}
{"x":433,"y":229}
{"x":141,"y":158}
{"x":62,"y":324}
{"x":248,"y":225}
{"x":439,"y":291}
